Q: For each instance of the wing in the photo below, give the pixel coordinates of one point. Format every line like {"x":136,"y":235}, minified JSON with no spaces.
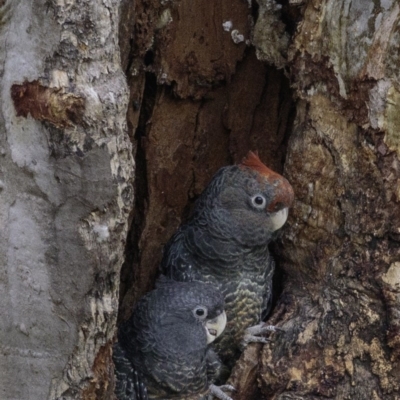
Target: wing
{"x":214,"y":365}
{"x":177,"y":261}
{"x":128,"y":383}
{"x":268,"y":295}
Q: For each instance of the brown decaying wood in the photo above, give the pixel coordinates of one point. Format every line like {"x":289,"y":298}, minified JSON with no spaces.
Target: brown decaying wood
{"x":194,"y":51}
{"x":48,"y":104}
{"x":227,"y":107}
{"x":186,"y":143}
{"x":101,"y":385}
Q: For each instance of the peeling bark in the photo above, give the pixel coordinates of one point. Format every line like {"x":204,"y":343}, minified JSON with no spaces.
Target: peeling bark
{"x":47,"y":104}
{"x":66,"y":193}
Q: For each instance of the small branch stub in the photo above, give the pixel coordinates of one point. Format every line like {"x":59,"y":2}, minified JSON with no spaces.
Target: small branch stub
{"x":47,"y":104}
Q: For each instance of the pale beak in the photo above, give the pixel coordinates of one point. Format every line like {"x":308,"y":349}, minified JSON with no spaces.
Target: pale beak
{"x":214,"y":327}
{"x":279,"y":218}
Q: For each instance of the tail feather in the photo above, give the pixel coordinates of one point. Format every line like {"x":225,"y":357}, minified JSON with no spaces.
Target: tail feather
{"x":128,"y":385}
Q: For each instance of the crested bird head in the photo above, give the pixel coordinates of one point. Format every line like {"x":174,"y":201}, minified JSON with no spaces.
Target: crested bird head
{"x":282,"y":195}
{"x":247,"y":202}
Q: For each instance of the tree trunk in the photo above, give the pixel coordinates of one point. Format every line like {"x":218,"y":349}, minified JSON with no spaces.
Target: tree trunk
{"x":313,"y":86}
{"x":65,"y":197}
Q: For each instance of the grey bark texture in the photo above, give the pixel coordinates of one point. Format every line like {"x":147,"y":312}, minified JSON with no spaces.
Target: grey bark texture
{"x":65,"y":197}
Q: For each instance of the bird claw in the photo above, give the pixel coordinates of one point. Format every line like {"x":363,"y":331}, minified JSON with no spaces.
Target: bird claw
{"x":263,"y":328}
{"x":217,"y":391}
{"x":227,"y":387}
{"x":253,"y":339}
{"x":251,"y":333}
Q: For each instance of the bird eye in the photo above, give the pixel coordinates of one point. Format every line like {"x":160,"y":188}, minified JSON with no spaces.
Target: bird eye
{"x":200,"y":312}
{"x":259,"y":201}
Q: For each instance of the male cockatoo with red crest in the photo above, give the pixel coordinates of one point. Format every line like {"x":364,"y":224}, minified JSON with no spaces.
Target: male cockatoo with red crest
{"x":225,"y":243}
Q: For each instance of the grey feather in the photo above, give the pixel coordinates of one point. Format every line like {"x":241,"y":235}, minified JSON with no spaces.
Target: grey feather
{"x":167,"y":343}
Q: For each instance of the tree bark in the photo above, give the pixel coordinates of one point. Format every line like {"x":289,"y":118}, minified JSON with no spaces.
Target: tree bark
{"x":65,"y":197}
{"x":312,"y":85}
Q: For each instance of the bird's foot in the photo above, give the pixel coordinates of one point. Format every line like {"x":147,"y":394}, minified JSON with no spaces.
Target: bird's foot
{"x":218,"y":391}
{"x":264,"y":328}
{"x":251,"y":334}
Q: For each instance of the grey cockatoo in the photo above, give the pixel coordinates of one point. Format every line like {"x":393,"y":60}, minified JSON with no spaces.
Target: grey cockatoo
{"x":225,"y":242}
{"x":162,"y":350}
